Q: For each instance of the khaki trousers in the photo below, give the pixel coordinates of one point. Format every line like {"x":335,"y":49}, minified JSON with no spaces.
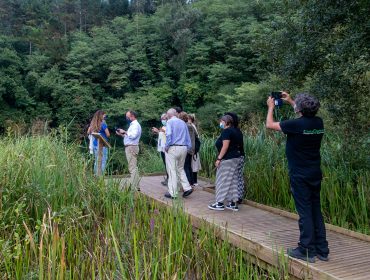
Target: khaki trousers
{"x":175,"y":160}
{"x":131,"y":154}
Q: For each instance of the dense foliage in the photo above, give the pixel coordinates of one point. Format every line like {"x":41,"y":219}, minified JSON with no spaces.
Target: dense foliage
{"x":62,"y":60}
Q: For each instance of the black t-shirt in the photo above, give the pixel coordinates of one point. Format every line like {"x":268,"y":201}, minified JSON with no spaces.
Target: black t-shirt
{"x":236,"y":147}
{"x":303,"y":143}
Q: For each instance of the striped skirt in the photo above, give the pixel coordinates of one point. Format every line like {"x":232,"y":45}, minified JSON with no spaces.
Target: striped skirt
{"x":227,"y":180}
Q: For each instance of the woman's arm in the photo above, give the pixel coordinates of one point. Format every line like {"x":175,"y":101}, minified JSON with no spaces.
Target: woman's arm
{"x":225,"y":147}
{"x":107,"y":132}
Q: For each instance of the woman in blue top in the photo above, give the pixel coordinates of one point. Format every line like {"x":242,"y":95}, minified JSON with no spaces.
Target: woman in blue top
{"x":98,"y":125}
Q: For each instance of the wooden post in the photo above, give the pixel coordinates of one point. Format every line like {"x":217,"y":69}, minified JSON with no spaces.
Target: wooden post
{"x":100,"y":157}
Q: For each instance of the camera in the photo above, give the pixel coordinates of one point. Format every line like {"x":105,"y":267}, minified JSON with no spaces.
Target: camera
{"x":277,"y":95}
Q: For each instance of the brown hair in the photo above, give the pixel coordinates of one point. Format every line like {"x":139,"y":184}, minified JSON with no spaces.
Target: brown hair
{"x":183,"y":116}
{"x":96,"y":122}
{"x":229,"y":121}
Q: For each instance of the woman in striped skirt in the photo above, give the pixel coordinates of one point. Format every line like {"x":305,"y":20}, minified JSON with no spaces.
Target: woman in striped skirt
{"x":241,"y":185}
{"x":229,"y":146}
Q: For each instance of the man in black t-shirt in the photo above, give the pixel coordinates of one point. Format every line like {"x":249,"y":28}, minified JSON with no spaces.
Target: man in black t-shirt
{"x":304,"y":136}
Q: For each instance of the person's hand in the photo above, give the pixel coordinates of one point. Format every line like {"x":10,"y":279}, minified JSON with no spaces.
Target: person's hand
{"x":155,"y":130}
{"x":217,"y":163}
{"x":286,"y":97}
{"x":120,"y":132}
{"x":270,"y":102}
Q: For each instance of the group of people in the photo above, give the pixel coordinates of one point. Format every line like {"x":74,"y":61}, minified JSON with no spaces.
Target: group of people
{"x":131,"y":139}
{"x":178,"y":143}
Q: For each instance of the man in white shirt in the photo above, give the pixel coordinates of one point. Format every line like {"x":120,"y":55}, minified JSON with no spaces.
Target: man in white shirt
{"x":131,"y":139}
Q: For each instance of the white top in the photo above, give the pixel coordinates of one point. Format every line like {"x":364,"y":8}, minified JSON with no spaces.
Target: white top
{"x":133,"y":134}
{"x":161,"y":140}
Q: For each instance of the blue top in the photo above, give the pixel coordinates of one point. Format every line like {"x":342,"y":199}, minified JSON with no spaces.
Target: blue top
{"x":102,"y":133}
{"x":177,"y":133}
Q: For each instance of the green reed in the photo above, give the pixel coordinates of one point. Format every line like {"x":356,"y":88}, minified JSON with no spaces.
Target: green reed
{"x":345,"y":195}
{"x":59,"y":222}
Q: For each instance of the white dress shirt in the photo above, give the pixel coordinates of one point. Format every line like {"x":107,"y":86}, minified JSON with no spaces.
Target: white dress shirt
{"x":133,"y":134}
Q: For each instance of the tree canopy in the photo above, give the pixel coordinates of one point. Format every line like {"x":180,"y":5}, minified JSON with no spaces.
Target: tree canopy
{"x":62,"y":60}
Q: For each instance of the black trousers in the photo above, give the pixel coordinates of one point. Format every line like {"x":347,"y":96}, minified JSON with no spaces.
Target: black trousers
{"x":188,"y":169}
{"x":163,"y":156}
{"x":195,"y":177}
{"x":306,"y":194}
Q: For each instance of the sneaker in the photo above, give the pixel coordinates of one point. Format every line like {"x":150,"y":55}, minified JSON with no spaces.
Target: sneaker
{"x":218,"y":206}
{"x":240,"y":201}
{"x":322,"y":257}
{"x":168,"y":195}
{"x":297,"y":254}
{"x":196,"y":185}
{"x":232,"y":206}
{"x":187,"y":193}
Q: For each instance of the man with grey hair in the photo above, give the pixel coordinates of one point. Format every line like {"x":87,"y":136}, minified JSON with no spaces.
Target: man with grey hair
{"x":177,"y":145}
{"x":304,"y":136}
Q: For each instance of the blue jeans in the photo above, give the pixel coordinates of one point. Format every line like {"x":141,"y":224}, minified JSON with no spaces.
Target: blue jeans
{"x":103,"y":161}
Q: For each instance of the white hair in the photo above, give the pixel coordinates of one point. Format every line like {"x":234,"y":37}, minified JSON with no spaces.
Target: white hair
{"x":171,"y":112}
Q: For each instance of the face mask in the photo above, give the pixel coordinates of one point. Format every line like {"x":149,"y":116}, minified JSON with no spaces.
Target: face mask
{"x":105,"y":117}
{"x":222,"y":126}
{"x":164,"y":122}
{"x":128,"y":120}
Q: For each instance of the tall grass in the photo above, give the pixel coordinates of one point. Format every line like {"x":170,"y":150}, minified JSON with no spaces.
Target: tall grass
{"x":59,"y":222}
{"x":345,"y":194}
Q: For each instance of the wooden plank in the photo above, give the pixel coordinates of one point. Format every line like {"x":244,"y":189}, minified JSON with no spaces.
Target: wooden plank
{"x":263,"y":234}
{"x":294,"y":216}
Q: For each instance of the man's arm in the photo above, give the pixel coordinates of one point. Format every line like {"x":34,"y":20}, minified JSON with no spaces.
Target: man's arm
{"x":270,"y":123}
{"x":168,"y":136}
{"x":286,"y":97}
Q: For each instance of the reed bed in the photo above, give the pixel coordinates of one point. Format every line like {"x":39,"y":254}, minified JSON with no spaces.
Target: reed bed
{"x":59,"y":222}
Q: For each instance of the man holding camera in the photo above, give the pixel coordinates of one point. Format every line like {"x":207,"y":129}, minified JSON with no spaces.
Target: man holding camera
{"x":304,"y":136}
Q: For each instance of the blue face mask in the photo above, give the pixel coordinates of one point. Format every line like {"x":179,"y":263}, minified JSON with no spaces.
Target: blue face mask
{"x":164,"y":122}
{"x":128,"y":120}
{"x":222,"y":126}
{"x":105,"y":117}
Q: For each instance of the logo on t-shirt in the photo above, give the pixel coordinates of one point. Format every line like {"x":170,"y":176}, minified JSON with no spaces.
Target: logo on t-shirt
{"x":313,"y":131}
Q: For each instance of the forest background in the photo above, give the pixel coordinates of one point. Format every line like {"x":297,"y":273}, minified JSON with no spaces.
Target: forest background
{"x":61,"y":60}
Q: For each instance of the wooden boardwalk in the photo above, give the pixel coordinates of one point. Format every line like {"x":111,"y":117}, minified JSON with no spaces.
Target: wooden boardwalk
{"x":264,"y":235}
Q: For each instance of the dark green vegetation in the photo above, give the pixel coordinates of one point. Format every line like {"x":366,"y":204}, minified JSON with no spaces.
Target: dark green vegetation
{"x":62,"y":60}
{"x":57,"y":222}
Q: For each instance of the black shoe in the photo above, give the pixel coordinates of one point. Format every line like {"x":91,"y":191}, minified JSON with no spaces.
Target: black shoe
{"x":240,"y":201}
{"x":165,"y":182}
{"x":232,"y":206}
{"x":168,"y":195}
{"x":322,"y":257}
{"x":297,"y":254}
{"x":187,"y":193}
{"x":218,"y":206}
